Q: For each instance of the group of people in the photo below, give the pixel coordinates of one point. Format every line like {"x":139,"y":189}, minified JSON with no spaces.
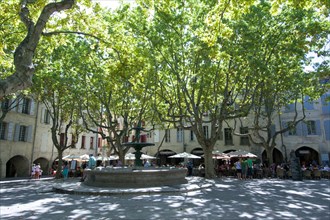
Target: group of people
{"x":36,"y":171}
{"x":244,"y":168}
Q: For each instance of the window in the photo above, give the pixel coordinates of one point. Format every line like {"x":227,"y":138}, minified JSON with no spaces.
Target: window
{"x":179,"y":134}
{"x":167,"y":135}
{"x":5,"y":104}
{"x":91,"y":142}
{"x":311,"y":128}
{"x":191,"y":135}
{"x":206,"y":131}
{"x":47,"y":117}
{"x":83,"y":142}
{"x":99,"y":142}
{"x":62,"y":136}
{"x":26,"y":106}
{"x":244,"y":139}
{"x":228,"y":136}
{"x":73,"y":141}
{"x":293,"y":130}
{"x":3,"y":128}
{"x":22,"y":133}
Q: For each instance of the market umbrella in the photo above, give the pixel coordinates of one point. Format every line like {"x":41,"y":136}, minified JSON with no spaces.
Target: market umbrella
{"x":185,"y":155}
{"x":113,"y":157}
{"x":241,"y":153}
{"x":84,"y":157}
{"x":221,"y":156}
{"x":71,"y":157}
{"x":147,"y":157}
{"x":131,"y":156}
{"x":102,"y":158}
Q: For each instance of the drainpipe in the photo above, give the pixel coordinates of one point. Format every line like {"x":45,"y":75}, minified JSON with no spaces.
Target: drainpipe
{"x":34,"y":135}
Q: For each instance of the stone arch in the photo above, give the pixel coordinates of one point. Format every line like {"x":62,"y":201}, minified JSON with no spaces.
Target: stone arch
{"x":44,"y":164}
{"x":198,"y":151}
{"x":18,"y":166}
{"x":163,"y":155}
{"x":277,"y":156}
{"x":307,"y":155}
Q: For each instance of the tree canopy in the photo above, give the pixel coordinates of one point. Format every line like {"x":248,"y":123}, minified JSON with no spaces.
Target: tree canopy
{"x":190,"y":63}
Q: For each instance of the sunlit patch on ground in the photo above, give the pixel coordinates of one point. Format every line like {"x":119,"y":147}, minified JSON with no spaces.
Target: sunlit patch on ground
{"x":224,"y":198}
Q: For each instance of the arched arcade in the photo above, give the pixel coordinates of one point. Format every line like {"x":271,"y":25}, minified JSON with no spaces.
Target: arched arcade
{"x":277,"y":157}
{"x":307,"y":155}
{"x":18,"y":166}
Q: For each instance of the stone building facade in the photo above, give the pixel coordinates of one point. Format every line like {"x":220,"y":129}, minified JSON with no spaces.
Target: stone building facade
{"x":25,"y":139}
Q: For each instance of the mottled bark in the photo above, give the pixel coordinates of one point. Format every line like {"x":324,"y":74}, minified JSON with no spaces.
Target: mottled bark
{"x":24,"y":53}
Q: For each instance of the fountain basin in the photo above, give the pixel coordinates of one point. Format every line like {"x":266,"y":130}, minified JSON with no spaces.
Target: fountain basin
{"x":134,"y":177}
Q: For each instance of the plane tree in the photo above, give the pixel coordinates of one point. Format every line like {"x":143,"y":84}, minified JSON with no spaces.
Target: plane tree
{"x":33,"y":16}
{"x":116,"y":84}
{"x":207,"y":71}
{"x":199,"y":67}
{"x":24,"y":23}
{"x":277,"y":50}
{"x":56,"y":85}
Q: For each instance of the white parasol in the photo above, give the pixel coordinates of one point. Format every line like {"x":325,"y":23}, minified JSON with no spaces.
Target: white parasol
{"x":71,"y":157}
{"x":241,"y":153}
{"x":185,"y":155}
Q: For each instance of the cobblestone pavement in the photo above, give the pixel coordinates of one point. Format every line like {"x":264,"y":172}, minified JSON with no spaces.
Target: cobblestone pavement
{"x":221,"y":199}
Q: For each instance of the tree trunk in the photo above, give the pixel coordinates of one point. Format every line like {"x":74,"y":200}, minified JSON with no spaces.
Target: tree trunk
{"x":208,"y":161}
{"x":59,"y":166}
{"x":269,"y":151}
{"x":24,"y":53}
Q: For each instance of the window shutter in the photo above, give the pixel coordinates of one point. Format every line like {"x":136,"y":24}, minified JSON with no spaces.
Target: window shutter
{"x":29,"y":134}
{"x":20,"y":106}
{"x":304,"y":129}
{"x":42,"y":118}
{"x":12,"y":103}
{"x":32,"y":107}
{"x":299,"y":129}
{"x":156,"y":136}
{"x":327,"y":129}
{"x":16,"y":135}
{"x":10,"y":131}
{"x":318,"y":127}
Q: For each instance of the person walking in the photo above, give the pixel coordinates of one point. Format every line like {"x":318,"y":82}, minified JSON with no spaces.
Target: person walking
{"x":244,"y":166}
{"x":38,"y":171}
{"x":91,"y":162}
{"x":250,"y":167}
{"x":190,"y":168}
{"x":239,"y":169}
{"x":33,"y":171}
{"x":65,"y":171}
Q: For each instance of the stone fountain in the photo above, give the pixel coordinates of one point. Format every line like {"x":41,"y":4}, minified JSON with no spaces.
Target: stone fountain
{"x":137,"y":176}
